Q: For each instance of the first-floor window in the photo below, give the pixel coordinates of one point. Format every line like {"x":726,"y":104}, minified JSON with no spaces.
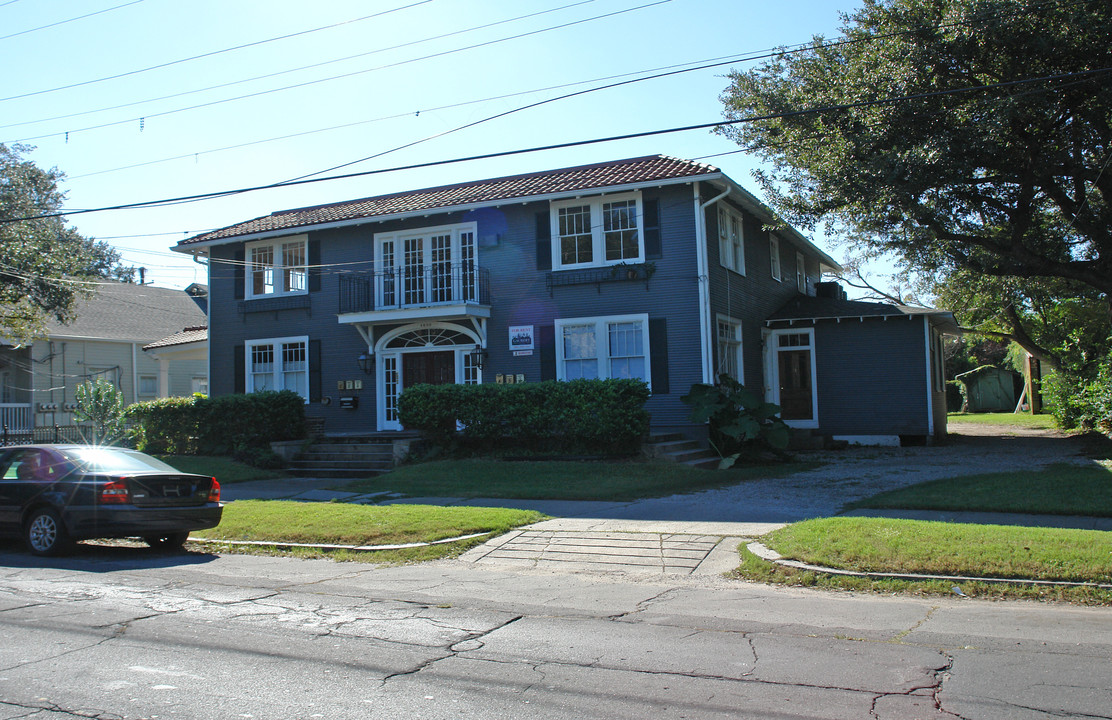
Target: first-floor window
{"x":148,"y":385}
{"x":729,"y":347}
{"x":603,"y":347}
{"x":278,"y":364}
{"x":200,"y":385}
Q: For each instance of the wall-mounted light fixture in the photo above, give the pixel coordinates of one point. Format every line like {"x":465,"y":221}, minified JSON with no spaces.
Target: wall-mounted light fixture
{"x":478,"y":356}
{"x":367,"y":363}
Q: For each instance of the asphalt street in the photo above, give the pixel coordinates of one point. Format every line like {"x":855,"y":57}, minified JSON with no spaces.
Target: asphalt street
{"x":119,"y":632}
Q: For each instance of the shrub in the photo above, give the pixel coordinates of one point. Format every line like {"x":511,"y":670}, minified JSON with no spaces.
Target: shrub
{"x":101,"y":404}
{"x":217,"y":426}
{"x":955,"y":395}
{"x":740,"y":422}
{"x":580,"y":416}
{"x":1076,"y":402}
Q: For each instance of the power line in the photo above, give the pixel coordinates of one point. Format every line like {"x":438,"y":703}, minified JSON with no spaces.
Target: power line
{"x":196,"y":57}
{"x":63,"y":22}
{"x":282,"y":72}
{"x":702,"y":65}
{"x":346,"y":75}
{"x":575,"y":143}
{"x":757,"y":55}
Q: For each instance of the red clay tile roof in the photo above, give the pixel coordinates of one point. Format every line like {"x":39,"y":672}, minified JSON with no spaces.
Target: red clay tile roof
{"x":585,"y":177}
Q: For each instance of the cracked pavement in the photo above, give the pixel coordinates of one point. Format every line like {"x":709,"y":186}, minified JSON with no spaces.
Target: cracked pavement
{"x":119,"y":633}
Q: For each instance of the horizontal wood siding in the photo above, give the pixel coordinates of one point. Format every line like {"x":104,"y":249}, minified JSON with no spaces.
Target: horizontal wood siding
{"x":508,"y":247}
{"x":754,"y":296}
{"x":872,"y":377}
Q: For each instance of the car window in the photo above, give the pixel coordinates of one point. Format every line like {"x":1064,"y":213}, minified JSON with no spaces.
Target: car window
{"x":34,"y":465}
{"x":117,"y":460}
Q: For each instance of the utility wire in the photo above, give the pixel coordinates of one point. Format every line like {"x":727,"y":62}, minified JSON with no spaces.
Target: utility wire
{"x":198,"y":57}
{"x":287,"y":71}
{"x":347,"y":75}
{"x":575,"y":143}
{"x":703,"y":64}
{"x":63,"y":22}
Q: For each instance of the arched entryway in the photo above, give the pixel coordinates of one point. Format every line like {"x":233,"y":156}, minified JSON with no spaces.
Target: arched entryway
{"x":432,"y":352}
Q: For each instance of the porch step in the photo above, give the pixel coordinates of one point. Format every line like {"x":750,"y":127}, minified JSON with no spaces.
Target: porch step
{"x":674,"y":447}
{"x":345,"y":457}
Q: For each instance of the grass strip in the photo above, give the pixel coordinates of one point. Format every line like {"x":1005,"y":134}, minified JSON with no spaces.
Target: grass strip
{"x":934,"y":548}
{"x":1060,"y":489}
{"x":555,"y":480}
{"x":286,"y":521}
{"x":1024,"y":420}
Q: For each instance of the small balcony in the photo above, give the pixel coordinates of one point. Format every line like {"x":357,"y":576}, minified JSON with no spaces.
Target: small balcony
{"x":397,"y":291}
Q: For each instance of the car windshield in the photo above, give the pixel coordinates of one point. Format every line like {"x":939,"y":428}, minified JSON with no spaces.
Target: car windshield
{"x":117,"y":460}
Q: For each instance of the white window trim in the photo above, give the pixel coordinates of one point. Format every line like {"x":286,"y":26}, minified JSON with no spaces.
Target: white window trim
{"x":400,"y":236}
{"x":729,"y":259}
{"x":139,"y":385}
{"x":800,"y":273}
{"x":275,"y":244}
{"x":249,"y":377}
{"x":601,"y":337}
{"x":772,"y":363}
{"x":774,"y":258}
{"x":720,"y":318}
{"x":598,"y":241}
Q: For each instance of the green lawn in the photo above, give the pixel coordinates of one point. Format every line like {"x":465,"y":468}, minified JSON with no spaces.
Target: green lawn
{"x":916,"y":547}
{"x":1057,"y":490}
{"x":225,"y":470}
{"x":552,"y":480}
{"x":1025,"y":420}
{"x":343,"y":524}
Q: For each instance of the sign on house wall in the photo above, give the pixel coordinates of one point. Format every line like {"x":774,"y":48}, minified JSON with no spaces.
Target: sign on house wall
{"x":521,"y":339}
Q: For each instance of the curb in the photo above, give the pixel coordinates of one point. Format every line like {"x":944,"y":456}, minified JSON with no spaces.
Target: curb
{"x":324,"y":546}
{"x":770,"y":555}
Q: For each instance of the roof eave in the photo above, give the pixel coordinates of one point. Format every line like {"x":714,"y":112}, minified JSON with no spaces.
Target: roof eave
{"x":192,"y":248}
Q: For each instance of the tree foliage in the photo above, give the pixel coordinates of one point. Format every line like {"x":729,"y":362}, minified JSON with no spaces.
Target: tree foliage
{"x":1012,"y":182}
{"x":45,"y":266}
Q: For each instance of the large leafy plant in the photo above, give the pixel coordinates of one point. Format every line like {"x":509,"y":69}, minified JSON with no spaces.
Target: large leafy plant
{"x":741,"y":423}
{"x":101,"y":405}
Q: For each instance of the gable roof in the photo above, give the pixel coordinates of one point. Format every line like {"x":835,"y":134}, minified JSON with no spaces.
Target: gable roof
{"x":126,"y":312}
{"x":632,"y":172}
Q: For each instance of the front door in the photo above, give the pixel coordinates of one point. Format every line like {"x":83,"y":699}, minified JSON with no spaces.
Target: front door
{"x":434,"y":368}
{"x":795,"y":385}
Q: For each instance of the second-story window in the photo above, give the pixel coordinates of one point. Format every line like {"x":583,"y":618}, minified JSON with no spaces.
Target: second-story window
{"x":277,"y":267}
{"x":426,"y":266}
{"x":731,"y":240}
{"x":597,"y":231}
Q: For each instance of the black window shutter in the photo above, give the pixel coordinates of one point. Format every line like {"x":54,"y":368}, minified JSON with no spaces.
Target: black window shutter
{"x":654,"y":248}
{"x":314,"y":265}
{"x":239,"y":274}
{"x":544,"y":241}
{"x":239,"y":369}
{"x":314,"y":371}
{"x":546,"y":347}
{"x":658,"y":355}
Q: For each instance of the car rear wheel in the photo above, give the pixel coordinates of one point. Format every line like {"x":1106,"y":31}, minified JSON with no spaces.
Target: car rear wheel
{"x":169,"y":541}
{"x":46,"y":534}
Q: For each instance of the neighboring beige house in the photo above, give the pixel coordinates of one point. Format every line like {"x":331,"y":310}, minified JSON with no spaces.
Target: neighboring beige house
{"x":175,"y":353}
{"x":105,"y":340}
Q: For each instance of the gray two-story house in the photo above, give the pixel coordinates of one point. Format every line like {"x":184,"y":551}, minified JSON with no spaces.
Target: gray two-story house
{"x":654,"y":268}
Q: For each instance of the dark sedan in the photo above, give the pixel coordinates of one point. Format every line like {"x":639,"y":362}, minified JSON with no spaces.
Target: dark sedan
{"x":53,"y":495}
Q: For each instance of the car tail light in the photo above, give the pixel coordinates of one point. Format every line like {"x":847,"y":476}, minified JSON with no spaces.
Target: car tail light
{"x":114,"y":493}
{"x":214,"y":493}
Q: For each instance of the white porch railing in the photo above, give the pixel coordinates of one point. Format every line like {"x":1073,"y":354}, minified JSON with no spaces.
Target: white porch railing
{"x":15,"y":417}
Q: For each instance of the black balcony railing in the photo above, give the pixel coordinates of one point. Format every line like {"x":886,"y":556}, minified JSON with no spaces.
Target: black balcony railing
{"x":416,"y":286}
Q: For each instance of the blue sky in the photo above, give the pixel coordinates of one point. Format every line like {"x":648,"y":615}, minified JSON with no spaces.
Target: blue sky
{"x":423,"y":67}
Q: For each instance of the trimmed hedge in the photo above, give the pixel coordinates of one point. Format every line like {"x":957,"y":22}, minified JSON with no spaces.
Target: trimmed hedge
{"x":223,"y":425}
{"x":580,"y":416}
